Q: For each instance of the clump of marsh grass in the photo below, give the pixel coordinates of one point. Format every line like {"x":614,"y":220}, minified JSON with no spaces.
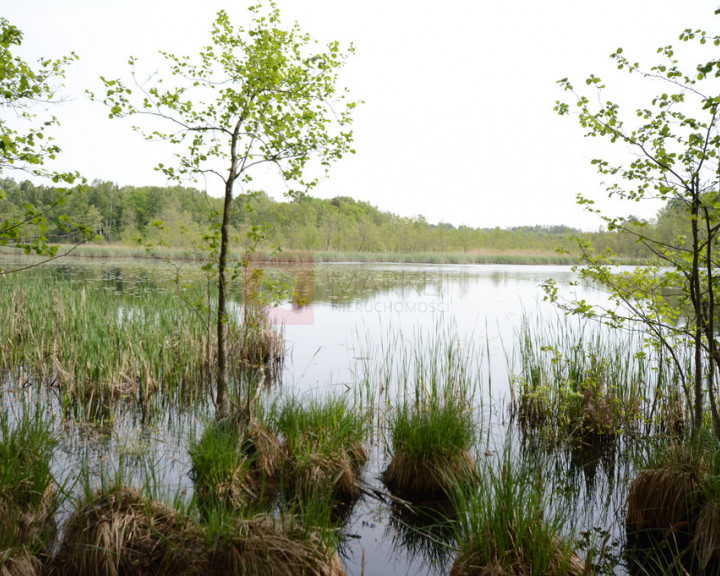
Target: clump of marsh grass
{"x":119,"y":531}
{"x":577,"y":383}
{"x":673,"y":509}
{"x":235,"y":463}
{"x":27,"y":491}
{"x":323,"y":440}
{"x":431,"y":441}
{"x":271,"y":546}
{"x":505,"y":527}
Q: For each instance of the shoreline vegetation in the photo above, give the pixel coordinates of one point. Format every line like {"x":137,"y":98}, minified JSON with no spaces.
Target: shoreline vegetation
{"x":175,"y":220}
{"x":514,"y":257}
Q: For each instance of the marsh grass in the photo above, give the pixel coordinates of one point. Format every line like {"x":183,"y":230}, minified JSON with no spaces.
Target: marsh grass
{"x":27,"y":490}
{"x":577,"y":383}
{"x":431,"y":443}
{"x":430,"y":385}
{"x":235,"y":465}
{"x":673,"y":508}
{"x":508,"y":525}
{"x":324,"y":441}
{"x":97,"y":348}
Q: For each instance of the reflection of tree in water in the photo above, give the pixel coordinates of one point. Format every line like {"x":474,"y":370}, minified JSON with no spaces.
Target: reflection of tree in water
{"x":589,"y":479}
{"x":345,"y":284}
{"x":426,"y":532}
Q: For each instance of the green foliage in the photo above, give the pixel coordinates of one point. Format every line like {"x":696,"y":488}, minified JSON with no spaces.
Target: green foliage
{"x":25,"y":145}
{"x":674,"y":143}
{"x":261,"y":95}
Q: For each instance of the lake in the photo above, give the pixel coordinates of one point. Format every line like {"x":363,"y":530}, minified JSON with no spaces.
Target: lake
{"x":353,"y":327}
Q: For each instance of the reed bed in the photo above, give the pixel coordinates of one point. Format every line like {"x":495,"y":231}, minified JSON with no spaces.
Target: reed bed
{"x":96,"y":347}
{"x":112,"y":251}
{"x":576,"y":382}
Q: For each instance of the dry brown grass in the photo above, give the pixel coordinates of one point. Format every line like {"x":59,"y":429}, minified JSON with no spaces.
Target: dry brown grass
{"x":672,"y":519}
{"x":707,"y":536}
{"x":19,"y":562}
{"x":519,"y":564}
{"x":32,"y":525}
{"x":431,"y":477}
{"x":275,"y":547}
{"x":316,"y":471}
{"x":121,"y":533}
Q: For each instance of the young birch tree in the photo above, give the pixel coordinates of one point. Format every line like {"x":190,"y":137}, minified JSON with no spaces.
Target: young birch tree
{"x":673,"y":146}
{"x":261,"y":95}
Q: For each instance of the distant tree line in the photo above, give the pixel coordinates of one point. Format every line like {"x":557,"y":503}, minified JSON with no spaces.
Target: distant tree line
{"x":179,"y":216}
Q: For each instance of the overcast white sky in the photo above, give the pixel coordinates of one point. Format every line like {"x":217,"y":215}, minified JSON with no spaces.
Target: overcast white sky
{"x":458,"y":123}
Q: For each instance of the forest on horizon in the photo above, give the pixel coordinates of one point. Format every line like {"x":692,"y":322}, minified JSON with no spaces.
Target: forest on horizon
{"x":180,"y":217}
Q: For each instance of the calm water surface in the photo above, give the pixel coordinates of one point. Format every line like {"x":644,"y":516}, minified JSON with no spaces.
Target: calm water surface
{"x":353,"y":312}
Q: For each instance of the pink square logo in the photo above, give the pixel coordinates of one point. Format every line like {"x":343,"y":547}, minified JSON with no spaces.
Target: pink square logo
{"x":295,"y":280}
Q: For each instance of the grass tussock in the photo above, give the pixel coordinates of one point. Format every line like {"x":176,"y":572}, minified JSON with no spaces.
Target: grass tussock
{"x":274,"y":546}
{"x":673,"y":510}
{"x":119,"y":532}
{"x":324,"y":443}
{"x":236,"y":464}
{"x":430,"y":442}
{"x":27,"y":491}
{"x":20,"y":562}
{"x":505,"y":527}
{"x":576,"y":384}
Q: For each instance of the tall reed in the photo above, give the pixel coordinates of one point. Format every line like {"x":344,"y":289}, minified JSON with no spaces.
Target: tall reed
{"x":96,"y":347}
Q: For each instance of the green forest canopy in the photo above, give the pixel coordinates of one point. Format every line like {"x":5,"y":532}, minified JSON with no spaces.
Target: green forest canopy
{"x":179,"y":216}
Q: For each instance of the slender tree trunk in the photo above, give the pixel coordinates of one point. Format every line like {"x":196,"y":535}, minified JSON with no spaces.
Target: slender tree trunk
{"x":221,"y":401}
{"x":710,"y":324}
{"x":696,"y":297}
